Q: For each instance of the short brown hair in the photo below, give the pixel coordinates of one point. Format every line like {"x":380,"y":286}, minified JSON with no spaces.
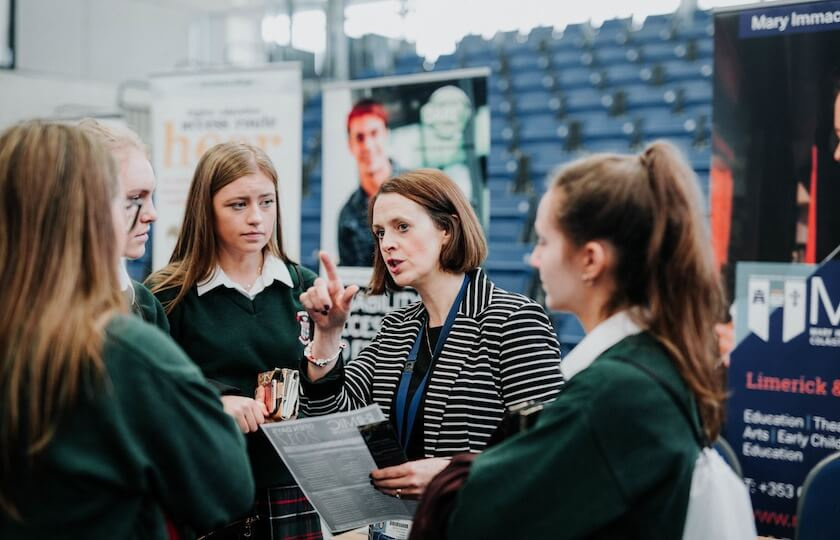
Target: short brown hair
{"x":449,"y":209}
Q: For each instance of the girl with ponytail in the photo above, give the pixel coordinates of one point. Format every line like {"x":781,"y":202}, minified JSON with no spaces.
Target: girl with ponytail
{"x":622,"y":245}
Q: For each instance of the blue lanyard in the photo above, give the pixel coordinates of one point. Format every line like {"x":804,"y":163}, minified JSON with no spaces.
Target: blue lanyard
{"x":402,"y":393}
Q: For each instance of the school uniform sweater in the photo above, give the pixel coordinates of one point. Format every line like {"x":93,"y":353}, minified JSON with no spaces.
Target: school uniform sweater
{"x":501,"y":351}
{"x":611,"y":457}
{"x":233,"y":338}
{"x":151,"y":441}
{"x":147,"y":307}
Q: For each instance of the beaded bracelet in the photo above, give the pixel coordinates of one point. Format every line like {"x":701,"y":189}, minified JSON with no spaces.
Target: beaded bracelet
{"x":321,"y":362}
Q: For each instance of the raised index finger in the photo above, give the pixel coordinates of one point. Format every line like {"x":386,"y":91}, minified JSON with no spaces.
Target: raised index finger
{"x":329,"y":267}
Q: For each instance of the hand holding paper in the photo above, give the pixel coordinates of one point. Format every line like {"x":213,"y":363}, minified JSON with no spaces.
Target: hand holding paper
{"x":410,"y":478}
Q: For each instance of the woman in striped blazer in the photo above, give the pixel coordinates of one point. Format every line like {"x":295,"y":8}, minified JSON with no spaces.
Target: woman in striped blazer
{"x":445,"y":369}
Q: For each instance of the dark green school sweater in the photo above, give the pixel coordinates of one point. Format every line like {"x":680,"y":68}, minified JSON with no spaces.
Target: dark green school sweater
{"x":232,"y":338}
{"x":152,"y":441}
{"x":611,"y":457}
{"x":147,"y":307}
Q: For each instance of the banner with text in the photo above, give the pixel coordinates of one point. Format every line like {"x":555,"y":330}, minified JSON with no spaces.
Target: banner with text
{"x":775,"y":179}
{"x":193,"y":111}
{"x":783,"y":413}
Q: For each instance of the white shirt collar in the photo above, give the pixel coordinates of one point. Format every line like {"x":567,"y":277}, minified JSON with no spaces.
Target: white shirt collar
{"x":125,"y":279}
{"x":601,"y":338}
{"x":273,"y":270}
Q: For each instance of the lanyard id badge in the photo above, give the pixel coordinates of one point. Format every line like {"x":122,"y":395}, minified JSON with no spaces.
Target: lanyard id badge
{"x":405,"y":419}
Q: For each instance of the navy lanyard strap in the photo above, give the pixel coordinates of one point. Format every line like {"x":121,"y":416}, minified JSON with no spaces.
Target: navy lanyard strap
{"x":405,"y":425}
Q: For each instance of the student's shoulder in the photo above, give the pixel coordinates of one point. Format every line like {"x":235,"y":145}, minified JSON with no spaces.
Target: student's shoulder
{"x":514,"y":306}
{"x":623,"y":386}
{"x":298,"y":271}
{"x":167,"y":295}
{"x":128,"y":339}
{"x":142,"y":293}
{"x":402,"y":315}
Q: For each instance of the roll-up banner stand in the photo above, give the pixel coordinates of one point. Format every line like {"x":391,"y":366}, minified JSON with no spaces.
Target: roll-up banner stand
{"x":192,"y":111}
{"x":378,"y":128}
{"x":775,"y":192}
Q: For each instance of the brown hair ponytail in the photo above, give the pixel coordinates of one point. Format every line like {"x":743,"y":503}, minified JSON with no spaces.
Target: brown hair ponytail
{"x":648,"y":207}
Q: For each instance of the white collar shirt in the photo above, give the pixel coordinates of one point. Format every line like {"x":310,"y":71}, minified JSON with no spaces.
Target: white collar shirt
{"x":125,"y":281}
{"x":595,"y":343}
{"x":273,"y":270}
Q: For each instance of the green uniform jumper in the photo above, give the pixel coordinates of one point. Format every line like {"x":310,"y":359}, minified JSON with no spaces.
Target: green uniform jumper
{"x":611,"y":457}
{"x":150,"y":443}
{"x":233,"y":338}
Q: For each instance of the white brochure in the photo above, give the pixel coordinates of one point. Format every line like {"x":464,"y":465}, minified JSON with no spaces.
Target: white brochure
{"x":331,"y":463}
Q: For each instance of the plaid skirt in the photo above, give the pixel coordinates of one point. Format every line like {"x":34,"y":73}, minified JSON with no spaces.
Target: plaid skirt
{"x":281,"y":513}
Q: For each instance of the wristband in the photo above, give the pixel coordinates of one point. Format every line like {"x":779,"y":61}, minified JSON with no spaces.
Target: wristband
{"x":322,"y":362}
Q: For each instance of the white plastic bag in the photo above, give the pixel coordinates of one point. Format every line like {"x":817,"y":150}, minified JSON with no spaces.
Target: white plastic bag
{"x":719,"y":505}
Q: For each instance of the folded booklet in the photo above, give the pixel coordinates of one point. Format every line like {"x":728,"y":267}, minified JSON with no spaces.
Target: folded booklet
{"x":331,"y":462}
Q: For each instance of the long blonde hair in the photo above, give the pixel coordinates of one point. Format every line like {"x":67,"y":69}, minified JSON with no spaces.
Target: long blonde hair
{"x":647,"y":206}
{"x":58,"y":267}
{"x":116,"y":137}
{"x":195,"y":255}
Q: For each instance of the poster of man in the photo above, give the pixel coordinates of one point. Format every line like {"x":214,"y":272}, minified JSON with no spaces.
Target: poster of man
{"x":367,"y":138}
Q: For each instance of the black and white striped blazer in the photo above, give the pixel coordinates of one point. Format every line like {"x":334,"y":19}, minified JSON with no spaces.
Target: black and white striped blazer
{"x":501,"y":350}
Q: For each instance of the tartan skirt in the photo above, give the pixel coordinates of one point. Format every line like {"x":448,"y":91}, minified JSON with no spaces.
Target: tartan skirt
{"x":287,"y":515}
{"x":281,"y":513}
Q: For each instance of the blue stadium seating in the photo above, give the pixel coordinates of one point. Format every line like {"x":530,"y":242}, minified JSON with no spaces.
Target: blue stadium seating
{"x":568,"y":328}
{"x":408,"y":63}
{"x":704,"y":48}
{"x":531,"y":80}
{"x":569,"y":58}
{"x":659,"y":51}
{"x":598,"y":125}
{"x":694,"y":93}
{"x":613,"y":32}
{"x":536,"y":102}
{"x":643,"y":96}
{"x":607,"y":56}
{"x":501,"y":167}
{"x":507,"y":265}
{"x":537,"y":36}
{"x":663,"y":123}
{"x":511,"y":205}
{"x":544,"y":128}
{"x":586,"y":100}
{"x":679,"y":70}
{"x":543,"y":158}
{"x":654,"y":29}
{"x":698,"y":110}
{"x":510,"y":277}
{"x":573,"y":78}
{"x":697,"y":28}
{"x":621,"y":74}
{"x":447,"y":61}
{"x":527,"y":62}
{"x":506,"y":229}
